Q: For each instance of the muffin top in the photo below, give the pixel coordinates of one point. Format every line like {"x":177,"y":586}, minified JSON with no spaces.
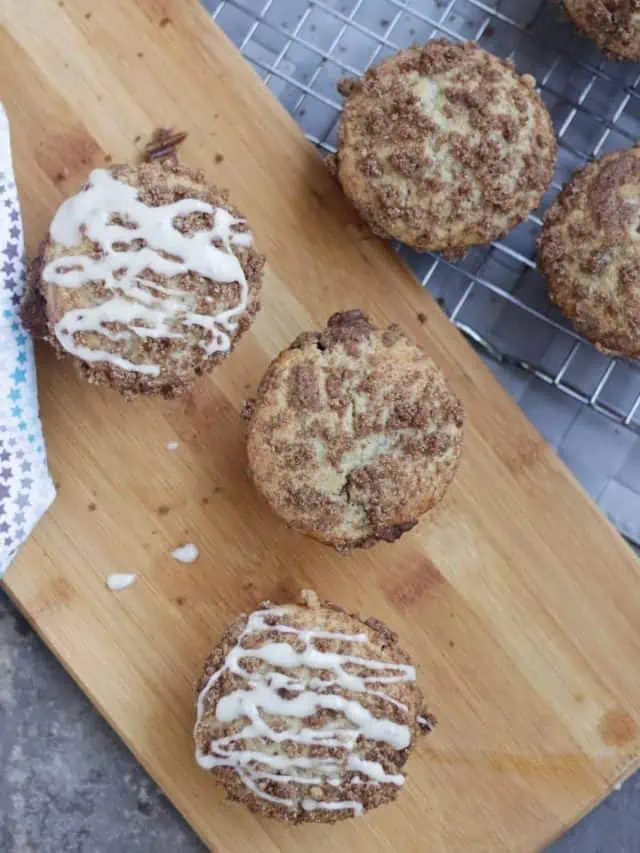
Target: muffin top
{"x":590,"y":252}
{"x":148,"y":276}
{"x":308,"y":714}
{"x":444,"y":146}
{"x":354,"y":433}
{"x":614,"y":25}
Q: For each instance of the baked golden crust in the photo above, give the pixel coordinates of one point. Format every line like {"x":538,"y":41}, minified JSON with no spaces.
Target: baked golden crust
{"x":285,"y":793}
{"x":354,"y":433}
{"x":444,"y":146}
{"x":614,"y":25}
{"x":180,"y":355}
{"x":589,"y":252}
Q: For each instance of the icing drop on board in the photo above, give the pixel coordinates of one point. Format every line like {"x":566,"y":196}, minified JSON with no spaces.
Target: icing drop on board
{"x":186,"y":553}
{"x":118,"y":581}
{"x":263,"y":696}
{"x":147,"y":309}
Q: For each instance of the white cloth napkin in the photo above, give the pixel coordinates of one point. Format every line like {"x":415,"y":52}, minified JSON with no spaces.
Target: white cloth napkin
{"x":26,"y":488}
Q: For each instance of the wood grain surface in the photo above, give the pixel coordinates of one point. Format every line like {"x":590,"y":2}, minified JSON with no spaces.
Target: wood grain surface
{"x":517,"y":598}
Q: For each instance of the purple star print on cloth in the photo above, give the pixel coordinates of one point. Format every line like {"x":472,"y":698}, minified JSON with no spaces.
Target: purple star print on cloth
{"x":26,"y":489}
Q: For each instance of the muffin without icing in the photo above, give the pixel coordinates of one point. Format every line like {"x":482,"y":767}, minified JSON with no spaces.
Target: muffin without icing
{"x":306,"y":713}
{"x":147,"y":278}
{"x":353,"y":434}
{"x":444,"y":146}
{"x":589,"y":252}
{"x":614,"y":25}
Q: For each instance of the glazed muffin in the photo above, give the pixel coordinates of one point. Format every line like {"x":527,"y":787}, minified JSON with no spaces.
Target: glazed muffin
{"x":353,"y":434}
{"x":306,"y":713}
{"x":589,"y":252}
{"x":614,"y":25}
{"x":147,"y":278}
{"x":444,"y":146}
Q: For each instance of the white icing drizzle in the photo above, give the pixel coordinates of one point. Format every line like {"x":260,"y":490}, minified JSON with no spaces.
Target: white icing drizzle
{"x":147,"y":309}
{"x":261,"y":696}
{"x":424,"y":722}
{"x":310,"y":805}
{"x":186,"y":553}
{"x":117,"y":581}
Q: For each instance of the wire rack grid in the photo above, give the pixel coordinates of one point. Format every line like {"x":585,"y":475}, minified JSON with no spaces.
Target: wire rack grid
{"x":586,"y":404}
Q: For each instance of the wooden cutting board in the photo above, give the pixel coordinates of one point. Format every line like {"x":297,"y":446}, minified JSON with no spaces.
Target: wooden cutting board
{"x":517,"y":599}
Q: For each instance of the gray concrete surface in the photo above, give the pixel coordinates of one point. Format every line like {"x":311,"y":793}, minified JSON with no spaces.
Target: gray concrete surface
{"x":68,"y":785}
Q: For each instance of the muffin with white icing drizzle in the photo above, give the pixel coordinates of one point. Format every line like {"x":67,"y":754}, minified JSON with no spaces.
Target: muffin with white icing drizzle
{"x":148,"y":277}
{"x":306,"y":713}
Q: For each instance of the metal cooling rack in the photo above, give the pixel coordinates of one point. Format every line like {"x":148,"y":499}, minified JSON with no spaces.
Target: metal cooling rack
{"x":585,"y":404}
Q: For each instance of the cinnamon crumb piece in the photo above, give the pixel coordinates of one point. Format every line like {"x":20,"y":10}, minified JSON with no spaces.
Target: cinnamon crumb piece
{"x":163,"y":144}
{"x":246,"y":409}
